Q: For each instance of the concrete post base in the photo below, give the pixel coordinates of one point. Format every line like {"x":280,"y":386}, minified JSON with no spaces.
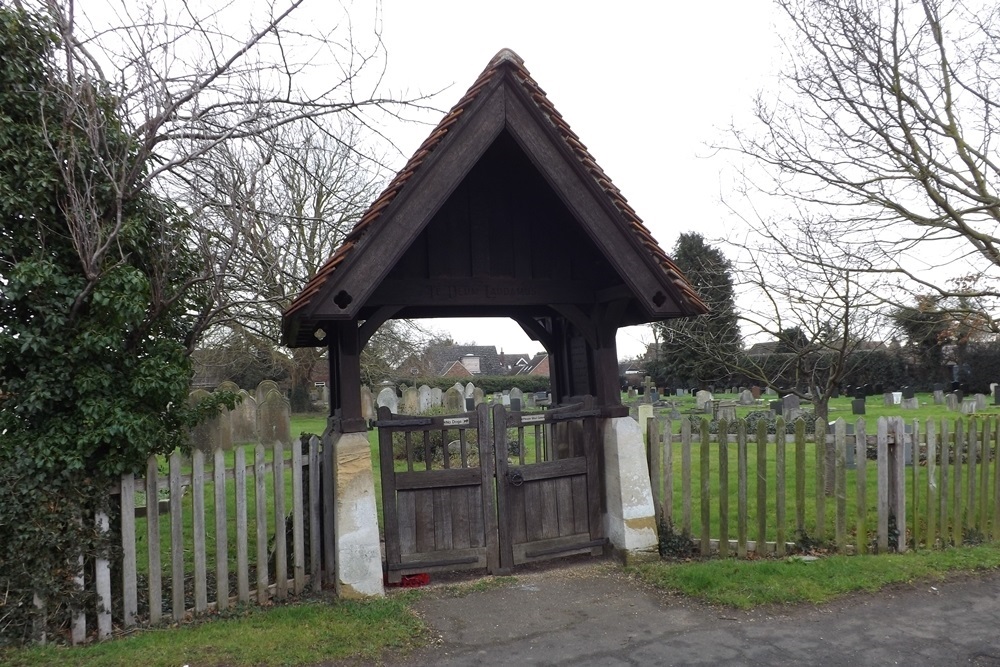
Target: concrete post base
{"x":358,"y":552}
{"x":630,"y":522}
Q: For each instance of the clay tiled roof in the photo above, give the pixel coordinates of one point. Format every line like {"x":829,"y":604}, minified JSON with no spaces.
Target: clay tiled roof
{"x":690,"y":302}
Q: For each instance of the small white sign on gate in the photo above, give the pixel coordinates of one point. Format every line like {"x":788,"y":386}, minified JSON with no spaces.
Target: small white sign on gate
{"x":456,"y":421}
{"x":532,"y":419}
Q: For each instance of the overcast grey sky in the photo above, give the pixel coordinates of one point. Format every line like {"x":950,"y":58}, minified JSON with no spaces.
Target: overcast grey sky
{"x":646,"y":86}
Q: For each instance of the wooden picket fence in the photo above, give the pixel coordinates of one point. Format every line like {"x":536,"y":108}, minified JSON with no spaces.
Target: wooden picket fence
{"x":750,"y":489}
{"x":260,"y":569}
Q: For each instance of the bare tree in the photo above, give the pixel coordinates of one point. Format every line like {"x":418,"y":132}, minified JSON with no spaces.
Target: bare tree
{"x":194,"y":94}
{"x":884,"y":127}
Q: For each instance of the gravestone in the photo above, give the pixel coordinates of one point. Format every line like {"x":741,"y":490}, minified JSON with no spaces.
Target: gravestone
{"x":859,"y":392}
{"x":477,"y":397}
{"x":228,"y":385}
{"x":654,"y":395}
{"x":702,"y":398}
{"x":727,"y":411}
{"x":790,"y":407}
{"x":938,"y":386}
{"x":411,"y":401}
{"x":951,"y":401}
{"x":454,"y":400}
{"x":969,"y":406}
{"x":470,"y":390}
{"x":746,"y":397}
{"x":423,"y":399}
{"x":367,"y":404}
{"x":205,"y":434}
{"x":755,"y":392}
{"x":858,"y":406}
{"x":868,"y":390}
{"x":436,"y":396}
{"x":980,"y":402}
{"x":387,"y":399}
{"x":264,"y":388}
{"x":675,"y":413}
{"x":879,"y":388}
{"x":769,"y":391}
{"x":835,"y":393}
{"x":909,"y":399}
{"x":938,"y":397}
{"x":887,"y":399}
{"x":460,"y":387}
{"x":244,"y":419}
{"x":776,"y":407}
{"x":505,"y":399}
{"x":632,"y":393}
{"x":274,"y":417}
{"x":516,"y":399}
{"x":470,"y":403}
{"x":529,"y":400}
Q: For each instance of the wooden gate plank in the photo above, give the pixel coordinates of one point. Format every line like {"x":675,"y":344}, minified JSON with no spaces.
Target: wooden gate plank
{"x":460,"y":504}
{"x":564,"y":504}
{"x":498,"y":447}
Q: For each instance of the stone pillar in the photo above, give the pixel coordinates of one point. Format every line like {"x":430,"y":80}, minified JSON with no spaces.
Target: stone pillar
{"x":630,"y":522}
{"x":359,"y":557}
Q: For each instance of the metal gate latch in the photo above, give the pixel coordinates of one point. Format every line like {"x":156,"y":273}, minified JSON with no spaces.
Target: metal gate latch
{"x":515,"y":477}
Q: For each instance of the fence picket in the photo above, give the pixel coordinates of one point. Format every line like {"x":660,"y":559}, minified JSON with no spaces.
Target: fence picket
{"x":221,"y":531}
{"x":984,"y":478}
{"x":314,"y":516}
{"x":242,"y":532}
{"x":882,"y":485}
{"x":706,"y":496}
{"x":779,"y":482}
{"x":956,"y":487}
{"x":973,"y":449}
{"x":932,"y":487}
{"x":327,"y":483}
{"x":130,"y":592}
{"x":898,"y":489}
{"x":686,"y":475}
{"x":667,"y":510}
{"x":915,"y":467}
{"x":102,"y":581}
{"x":280,"y":544}
{"x":800,"y":477}
{"x":861,"y":485}
{"x":155,"y":582}
{"x":198,"y":523}
{"x":741,"y":490}
{"x":723,"y":488}
{"x":821,"y":486}
{"x":176,"y":539}
{"x":298,"y":525}
{"x":996,"y":484}
{"x":761,"y":485}
{"x":261,"y":517}
{"x":654,"y":464}
{"x":945,"y":453}
{"x":840,"y":483}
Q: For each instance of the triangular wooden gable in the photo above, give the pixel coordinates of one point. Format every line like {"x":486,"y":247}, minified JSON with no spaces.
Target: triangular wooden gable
{"x":502,"y":212}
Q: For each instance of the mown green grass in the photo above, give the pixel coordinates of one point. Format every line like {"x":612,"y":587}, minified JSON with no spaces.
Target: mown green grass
{"x":308,"y":633}
{"x":746,"y":584}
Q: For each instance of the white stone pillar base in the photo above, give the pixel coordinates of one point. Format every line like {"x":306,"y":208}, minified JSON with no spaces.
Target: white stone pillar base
{"x":630,"y":522}
{"x":358,"y":551}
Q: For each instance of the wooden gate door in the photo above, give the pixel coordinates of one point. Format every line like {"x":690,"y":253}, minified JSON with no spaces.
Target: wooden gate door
{"x":439,"y":504}
{"x":458,"y":494}
{"x":548,"y":483}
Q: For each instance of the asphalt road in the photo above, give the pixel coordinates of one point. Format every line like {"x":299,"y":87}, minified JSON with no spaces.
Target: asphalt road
{"x":590,"y":614}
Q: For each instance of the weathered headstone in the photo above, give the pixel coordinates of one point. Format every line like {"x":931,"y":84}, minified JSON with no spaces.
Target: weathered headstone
{"x":387,"y":399}
{"x":790,"y":408}
{"x":969,"y":406}
{"x":436,"y":396}
{"x":951,"y":401}
{"x":727,"y":411}
{"x":909,"y":399}
{"x":505,"y":399}
{"x":980,"y":402}
{"x":265,"y":388}
{"x":469,"y":390}
{"x":454,"y":400}
{"x":274,"y":420}
{"x":228,"y":385}
{"x":858,"y":406}
{"x":776,"y":407}
{"x":367,"y":404}
{"x":516,"y":399}
{"x":478,"y":397}
{"x":411,"y":401}
{"x":529,"y":400}
{"x":938,"y":397}
{"x":244,"y":419}
{"x":746,"y":397}
{"x":887,"y":399}
{"x":702,"y":398}
{"x":423,"y":399}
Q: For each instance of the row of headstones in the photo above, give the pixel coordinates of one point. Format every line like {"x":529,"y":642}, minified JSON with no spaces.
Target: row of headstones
{"x":457,"y":398}
{"x":264,"y":416}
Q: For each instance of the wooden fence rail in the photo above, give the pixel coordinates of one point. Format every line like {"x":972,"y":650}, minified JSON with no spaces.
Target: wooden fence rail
{"x":900,"y":485}
{"x":169,"y":515}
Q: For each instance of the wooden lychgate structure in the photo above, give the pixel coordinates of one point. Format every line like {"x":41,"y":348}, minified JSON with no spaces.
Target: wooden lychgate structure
{"x":501,"y":212}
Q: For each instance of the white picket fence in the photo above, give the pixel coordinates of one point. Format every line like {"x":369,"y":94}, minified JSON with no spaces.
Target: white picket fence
{"x":230,"y":490}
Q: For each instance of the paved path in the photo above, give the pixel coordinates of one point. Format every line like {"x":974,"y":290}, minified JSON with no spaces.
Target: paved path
{"x":591,"y":614}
